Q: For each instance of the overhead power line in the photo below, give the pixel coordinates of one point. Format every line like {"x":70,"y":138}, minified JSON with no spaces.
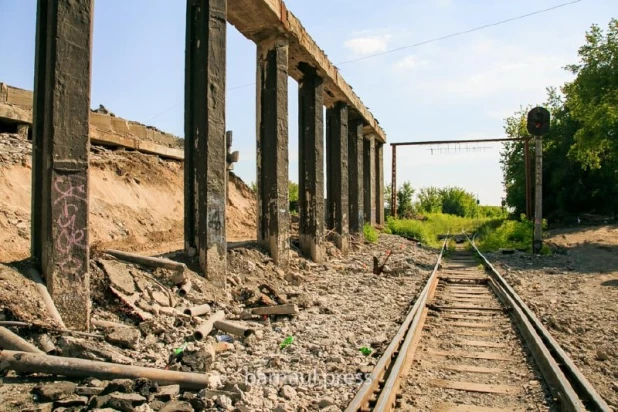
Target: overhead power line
{"x":409,"y":46}
{"x":459,"y":33}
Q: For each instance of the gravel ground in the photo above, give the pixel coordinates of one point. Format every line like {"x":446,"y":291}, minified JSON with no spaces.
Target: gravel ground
{"x":343,"y":307}
{"x":574,"y":292}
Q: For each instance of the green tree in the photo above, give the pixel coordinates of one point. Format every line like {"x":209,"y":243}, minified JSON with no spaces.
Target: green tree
{"x":429,"y":200}
{"x":293,"y":193}
{"x":456,"y":201}
{"x":405,"y":209}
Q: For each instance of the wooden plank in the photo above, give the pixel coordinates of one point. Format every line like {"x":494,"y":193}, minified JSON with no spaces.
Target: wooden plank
{"x":463,"y":368}
{"x":475,"y":332}
{"x":470,"y":307}
{"x":469,"y":355}
{"x":473,"y":325}
{"x":482,"y":344}
{"x":475,"y":387}
{"x":464,"y":317}
{"x":454,"y":407}
{"x":468,"y":295}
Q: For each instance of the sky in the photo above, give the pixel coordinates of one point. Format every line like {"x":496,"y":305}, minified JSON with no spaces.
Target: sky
{"x":458,"y":88}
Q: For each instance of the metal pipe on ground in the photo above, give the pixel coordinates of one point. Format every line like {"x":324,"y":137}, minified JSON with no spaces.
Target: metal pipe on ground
{"x":197,"y":310}
{"x":233,"y":328}
{"x":11,"y":341}
{"x":205,"y":328}
{"x":185,"y":288}
{"x":147,"y":260}
{"x":47,"y":299}
{"x":82,"y":368}
{"x":45,"y":343}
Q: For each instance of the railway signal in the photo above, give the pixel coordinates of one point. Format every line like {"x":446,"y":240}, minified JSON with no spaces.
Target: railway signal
{"x":538,"y":125}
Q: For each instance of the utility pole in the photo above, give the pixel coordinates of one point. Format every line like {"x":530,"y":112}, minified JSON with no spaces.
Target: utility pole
{"x":538,"y":125}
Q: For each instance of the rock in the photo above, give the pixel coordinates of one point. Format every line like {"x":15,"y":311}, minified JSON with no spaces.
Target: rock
{"x":288,"y":392}
{"x":88,"y":390}
{"x":43,"y":407}
{"x":97,"y":402}
{"x":119,"y":276}
{"x":143,"y":408}
{"x":124,"y":337}
{"x":177,"y":406}
{"x":119,"y":385}
{"x":331,"y":408}
{"x":199,"y":360}
{"x":71,"y":401}
{"x":602,"y":356}
{"x":146,"y":387}
{"x":125,"y":402}
{"x":160,"y":297}
{"x":295,"y":279}
{"x":224,"y":402}
{"x":378,"y":340}
{"x":325,"y":402}
{"x":99,"y":351}
{"x":51,"y":392}
{"x":167,"y":393}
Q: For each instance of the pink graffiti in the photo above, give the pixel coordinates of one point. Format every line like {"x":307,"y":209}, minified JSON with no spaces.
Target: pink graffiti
{"x":70,"y":236}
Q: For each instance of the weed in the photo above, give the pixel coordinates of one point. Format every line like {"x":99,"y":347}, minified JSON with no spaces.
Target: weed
{"x":371,"y":234}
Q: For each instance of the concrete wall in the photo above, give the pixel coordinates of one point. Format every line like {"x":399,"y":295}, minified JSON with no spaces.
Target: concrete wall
{"x":16,"y":107}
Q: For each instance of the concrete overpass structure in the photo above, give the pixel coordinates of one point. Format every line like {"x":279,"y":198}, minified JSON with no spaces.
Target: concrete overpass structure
{"x":353,"y":148}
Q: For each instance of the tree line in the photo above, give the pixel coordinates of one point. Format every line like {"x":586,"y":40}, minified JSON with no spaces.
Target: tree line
{"x":580,"y":152}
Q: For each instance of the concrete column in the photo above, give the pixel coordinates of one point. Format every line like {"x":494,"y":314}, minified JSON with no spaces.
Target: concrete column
{"x":205,"y":164}
{"x":337,"y":205}
{"x":379,"y":183}
{"x":369,"y":178}
{"x":355,"y":175}
{"x":272,"y":149}
{"x":60,"y":154}
{"x":311,"y":164}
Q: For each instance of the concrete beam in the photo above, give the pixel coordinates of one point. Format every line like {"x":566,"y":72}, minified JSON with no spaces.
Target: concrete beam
{"x":369,"y":178}
{"x":256,"y":19}
{"x":379,"y":183}
{"x":60,"y":154}
{"x":272,"y":149}
{"x":355,"y":175}
{"x":311,"y":165}
{"x":205,"y":164}
{"x":337,"y":204}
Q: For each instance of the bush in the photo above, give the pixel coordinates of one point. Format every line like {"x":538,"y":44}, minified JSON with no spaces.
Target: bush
{"x":371,"y":234}
{"x":507,"y":234}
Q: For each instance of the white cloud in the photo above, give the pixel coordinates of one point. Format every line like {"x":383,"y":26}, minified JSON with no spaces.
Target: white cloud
{"x":410,"y":62}
{"x":362,"y":46}
{"x":443,"y":4}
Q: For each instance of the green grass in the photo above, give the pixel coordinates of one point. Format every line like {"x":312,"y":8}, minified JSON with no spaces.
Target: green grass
{"x":492,"y":233}
{"x":371,"y":234}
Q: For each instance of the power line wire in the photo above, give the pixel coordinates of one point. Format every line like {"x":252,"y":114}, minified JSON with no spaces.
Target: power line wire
{"x":461,"y":32}
{"x":409,"y":46}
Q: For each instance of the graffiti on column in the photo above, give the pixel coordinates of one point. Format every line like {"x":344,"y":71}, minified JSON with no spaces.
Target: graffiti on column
{"x":71,"y":199}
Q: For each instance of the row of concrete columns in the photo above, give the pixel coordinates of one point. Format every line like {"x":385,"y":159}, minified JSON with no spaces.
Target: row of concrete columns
{"x":61,"y":147}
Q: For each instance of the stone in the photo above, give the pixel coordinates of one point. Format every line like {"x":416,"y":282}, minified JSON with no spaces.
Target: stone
{"x":325,"y":402}
{"x":224,"y":402}
{"x":88,"y":390}
{"x":146,"y":387}
{"x":332,"y":408}
{"x":51,"y":392}
{"x":177,"y":406}
{"x":167,"y":393}
{"x":160,"y":297}
{"x":119,"y":385}
{"x":125,"y":402}
{"x":199,"y":360}
{"x":294,"y":279}
{"x":97,"y":402}
{"x":601,"y":355}
{"x":378,"y":340}
{"x":43,"y":407}
{"x":124,"y":337}
{"x":119,"y":276}
{"x":71,"y":401}
{"x":288,"y":392}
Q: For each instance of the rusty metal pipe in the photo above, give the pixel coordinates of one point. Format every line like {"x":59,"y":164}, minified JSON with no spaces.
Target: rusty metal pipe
{"x":11,"y":341}
{"x":197,"y":310}
{"x":234,"y":328}
{"x":45,"y":343}
{"x":185,"y":288}
{"x":204,"y":329}
{"x":82,"y":368}
{"x":147,"y":260}
{"x":47,"y":299}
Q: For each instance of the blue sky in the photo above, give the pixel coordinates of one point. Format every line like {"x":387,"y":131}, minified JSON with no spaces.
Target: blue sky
{"x":458,"y":88}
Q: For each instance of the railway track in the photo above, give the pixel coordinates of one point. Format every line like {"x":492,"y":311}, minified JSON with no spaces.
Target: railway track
{"x":469,"y":343}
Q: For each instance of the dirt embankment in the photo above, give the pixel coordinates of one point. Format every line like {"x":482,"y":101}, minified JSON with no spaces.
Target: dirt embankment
{"x":575,"y":294}
{"x":136,"y":201}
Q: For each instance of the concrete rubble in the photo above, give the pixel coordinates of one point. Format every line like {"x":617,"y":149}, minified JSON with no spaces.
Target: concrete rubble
{"x":325,"y":312}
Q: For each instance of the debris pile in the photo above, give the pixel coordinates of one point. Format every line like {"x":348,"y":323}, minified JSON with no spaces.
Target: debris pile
{"x":297,"y":339}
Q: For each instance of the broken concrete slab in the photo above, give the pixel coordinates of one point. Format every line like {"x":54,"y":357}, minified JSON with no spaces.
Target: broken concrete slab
{"x":50,"y":392}
{"x":119,"y":276}
{"x":124,"y":337}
